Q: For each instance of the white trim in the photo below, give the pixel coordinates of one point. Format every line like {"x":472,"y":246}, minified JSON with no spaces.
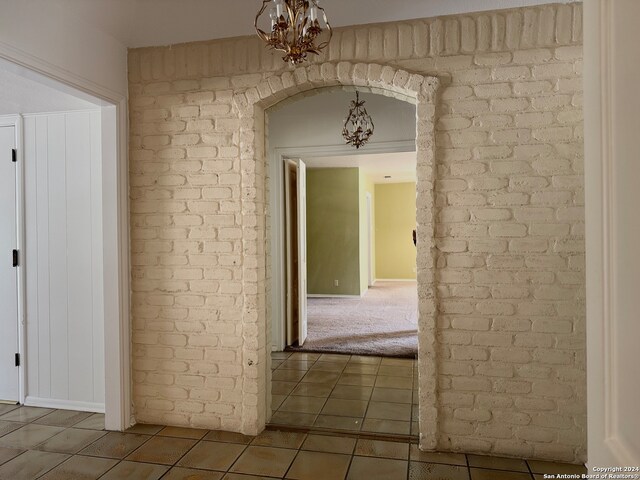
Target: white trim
{"x":343,"y":150}
{"x":116,"y":236}
{"x":60,"y":112}
{"x":278,"y":234}
{"x":606,"y":447}
{"x":64,"y":404}
{"x":322,"y":295}
{"x":371,"y":275}
{"x":36,"y":64}
{"x":396,"y":280}
{"x":15,"y":121}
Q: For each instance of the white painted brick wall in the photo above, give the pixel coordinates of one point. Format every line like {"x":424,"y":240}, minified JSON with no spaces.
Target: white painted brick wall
{"x":509,"y":231}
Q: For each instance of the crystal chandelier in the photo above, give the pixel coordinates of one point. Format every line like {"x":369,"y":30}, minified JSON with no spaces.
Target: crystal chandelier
{"x":295,"y":28}
{"x":358,"y":127}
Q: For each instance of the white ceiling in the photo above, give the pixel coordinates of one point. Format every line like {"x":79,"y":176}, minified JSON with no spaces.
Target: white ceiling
{"x":401,"y":167}
{"x":141,"y":23}
{"x":23,"y":91}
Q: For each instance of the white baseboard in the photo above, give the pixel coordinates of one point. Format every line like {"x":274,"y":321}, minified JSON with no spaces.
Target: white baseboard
{"x":395,"y":280}
{"x":64,"y":404}
{"x":322,"y":295}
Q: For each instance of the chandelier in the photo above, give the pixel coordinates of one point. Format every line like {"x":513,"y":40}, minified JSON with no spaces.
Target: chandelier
{"x":358,"y":127}
{"x":295,"y":28}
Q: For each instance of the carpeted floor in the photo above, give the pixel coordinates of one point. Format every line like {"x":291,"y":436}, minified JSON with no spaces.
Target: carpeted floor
{"x":383,"y":322}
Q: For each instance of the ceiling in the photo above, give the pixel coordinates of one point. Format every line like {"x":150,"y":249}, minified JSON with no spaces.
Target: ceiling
{"x":141,"y":23}
{"x":401,"y":167}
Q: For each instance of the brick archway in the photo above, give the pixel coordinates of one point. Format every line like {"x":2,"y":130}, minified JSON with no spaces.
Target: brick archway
{"x":251,"y":105}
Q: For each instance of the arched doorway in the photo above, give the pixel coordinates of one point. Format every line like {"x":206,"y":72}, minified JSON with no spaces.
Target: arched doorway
{"x":251,"y":106}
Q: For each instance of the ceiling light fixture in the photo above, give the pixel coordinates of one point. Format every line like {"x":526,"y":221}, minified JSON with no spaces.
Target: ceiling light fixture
{"x":358,"y":127}
{"x":295,"y":28}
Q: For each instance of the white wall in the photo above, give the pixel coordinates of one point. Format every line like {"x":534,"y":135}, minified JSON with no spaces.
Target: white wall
{"x":65,"y":311}
{"x":317,"y":120}
{"x":47,"y":32}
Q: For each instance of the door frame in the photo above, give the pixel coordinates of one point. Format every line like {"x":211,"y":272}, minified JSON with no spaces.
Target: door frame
{"x":602,"y":74}
{"x":288,"y":262}
{"x":371,"y":277}
{"x":276,"y":158}
{"x":115,"y":182}
{"x":15,"y":121}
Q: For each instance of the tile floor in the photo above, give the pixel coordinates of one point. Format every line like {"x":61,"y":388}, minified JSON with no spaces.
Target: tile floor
{"x":347,"y":393}
{"x":37,"y":443}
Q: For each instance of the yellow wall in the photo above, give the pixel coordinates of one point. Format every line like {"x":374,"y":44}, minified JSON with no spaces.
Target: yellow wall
{"x":333,"y":231}
{"x":395,"y":219}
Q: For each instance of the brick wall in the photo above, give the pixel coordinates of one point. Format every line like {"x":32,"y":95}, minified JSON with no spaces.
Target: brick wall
{"x":509,"y":225}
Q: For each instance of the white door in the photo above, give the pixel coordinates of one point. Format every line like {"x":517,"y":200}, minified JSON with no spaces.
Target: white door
{"x":302,"y":248}
{"x":612,"y":170}
{"x":8,"y":272}
{"x":295,"y":190}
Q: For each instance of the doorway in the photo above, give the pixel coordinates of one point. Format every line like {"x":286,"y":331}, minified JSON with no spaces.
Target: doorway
{"x":414,"y":89}
{"x":62,"y":225}
{"x":338,"y":368}
{"x":9,"y":320}
{"x":360,"y":292}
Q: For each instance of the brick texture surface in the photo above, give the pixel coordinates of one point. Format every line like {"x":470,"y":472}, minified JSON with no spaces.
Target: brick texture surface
{"x":504,"y":189}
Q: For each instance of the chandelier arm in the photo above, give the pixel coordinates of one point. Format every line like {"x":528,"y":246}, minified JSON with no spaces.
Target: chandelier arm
{"x":293,"y":16}
{"x":329,"y":29}
{"x":261,"y":33}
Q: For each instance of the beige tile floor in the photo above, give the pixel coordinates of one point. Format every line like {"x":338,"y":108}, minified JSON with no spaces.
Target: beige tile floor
{"x":62,"y":445}
{"x":347,"y":393}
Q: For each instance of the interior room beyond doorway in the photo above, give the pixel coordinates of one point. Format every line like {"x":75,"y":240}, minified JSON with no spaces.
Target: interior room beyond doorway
{"x":358,"y":255}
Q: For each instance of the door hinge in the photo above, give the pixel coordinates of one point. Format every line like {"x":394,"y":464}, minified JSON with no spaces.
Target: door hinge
{"x":14,"y":155}
{"x":15,"y":258}
{"x":17,"y":359}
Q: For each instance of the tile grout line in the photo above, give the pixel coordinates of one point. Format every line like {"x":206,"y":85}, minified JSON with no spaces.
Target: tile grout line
{"x":332,"y":389}
{"x":356,"y":435}
{"x":377,"y":375}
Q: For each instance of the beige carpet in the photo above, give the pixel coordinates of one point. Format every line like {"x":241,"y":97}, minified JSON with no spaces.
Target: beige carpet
{"x":383,"y":322}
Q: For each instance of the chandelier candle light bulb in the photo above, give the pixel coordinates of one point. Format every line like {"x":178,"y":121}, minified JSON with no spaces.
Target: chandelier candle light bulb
{"x":296,"y":28}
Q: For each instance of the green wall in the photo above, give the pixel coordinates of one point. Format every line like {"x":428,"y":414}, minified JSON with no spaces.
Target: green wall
{"x":395,"y":214}
{"x":333,"y":231}
{"x":366,"y":186}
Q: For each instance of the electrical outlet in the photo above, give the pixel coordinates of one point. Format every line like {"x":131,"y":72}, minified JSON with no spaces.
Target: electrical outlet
{"x":336,"y":283}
